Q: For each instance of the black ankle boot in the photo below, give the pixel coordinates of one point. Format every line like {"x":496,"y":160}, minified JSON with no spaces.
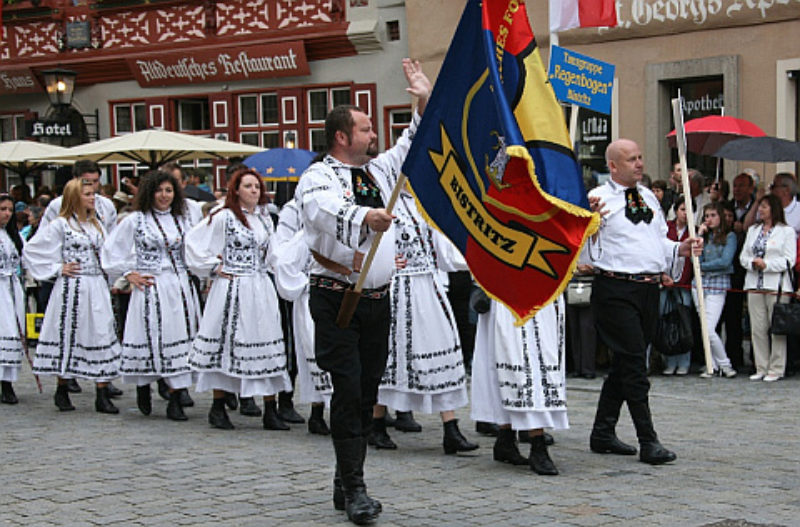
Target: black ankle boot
{"x":603,"y":439}
{"x":379,"y":438}
{"x":540,"y":458}
{"x":102,"y":401}
{"x":506,"y":449}
{"x":8,"y":395}
{"x":73,"y":386}
{"x":525,"y":437}
{"x":218,"y":417}
{"x":271,"y":419}
{"x":248,"y":407}
{"x":163,"y":389}
{"x":286,"y":409}
{"x":113,"y":391}
{"x":454,"y":441}
{"x":184,"y":398}
{"x":62,"y":398}
{"x":143,"y":399}
{"x":487,"y":429}
{"x":405,"y":422}
{"x":175,"y":408}
{"x":231,"y":401}
{"x":316,"y":423}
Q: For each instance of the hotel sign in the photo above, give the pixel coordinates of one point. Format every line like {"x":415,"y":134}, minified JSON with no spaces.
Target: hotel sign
{"x":284,"y":59}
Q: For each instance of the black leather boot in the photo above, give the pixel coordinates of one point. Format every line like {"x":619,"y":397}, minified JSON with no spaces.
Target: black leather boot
{"x":184,"y":398}
{"x":316,"y":423}
{"x":163,"y":389}
{"x":143,"y":399}
{"x":506,"y":449}
{"x":231,"y":401}
{"x":379,"y":438}
{"x":113,"y":391}
{"x":218,"y":417}
{"x":360,"y":508}
{"x":540,"y":458}
{"x":286,"y":409}
{"x":487,"y":429}
{"x":102,"y":401}
{"x":8,"y":395}
{"x":62,"y":398}
{"x":73,"y":386}
{"x":603,"y":439}
{"x":650,"y":449}
{"x":271,"y":419}
{"x":454,"y":441}
{"x":525,"y":437}
{"x":175,"y":408}
{"x":405,"y":422}
{"x":248,"y":407}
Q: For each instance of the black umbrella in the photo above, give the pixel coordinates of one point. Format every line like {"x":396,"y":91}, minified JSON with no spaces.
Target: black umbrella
{"x":766,"y":149}
{"x":198,"y":194}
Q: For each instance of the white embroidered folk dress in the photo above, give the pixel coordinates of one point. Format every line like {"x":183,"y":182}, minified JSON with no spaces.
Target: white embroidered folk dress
{"x":162,"y":319}
{"x":239,"y":345}
{"x":12,"y":316}
{"x":292,"y":269}
{"x":78,"y":337}
{"x":518,"y":372}
{"x":425,"y":367}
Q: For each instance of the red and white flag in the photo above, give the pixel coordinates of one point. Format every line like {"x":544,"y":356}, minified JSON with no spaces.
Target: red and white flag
{"x":568,"y":14}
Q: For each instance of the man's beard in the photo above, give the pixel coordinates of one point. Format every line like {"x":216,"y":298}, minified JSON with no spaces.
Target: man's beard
{"x":372,"y":150}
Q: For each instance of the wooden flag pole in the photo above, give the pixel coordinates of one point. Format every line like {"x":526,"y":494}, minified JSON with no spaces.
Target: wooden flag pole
{"x":351,"y":296}
{"x":680,"y":140}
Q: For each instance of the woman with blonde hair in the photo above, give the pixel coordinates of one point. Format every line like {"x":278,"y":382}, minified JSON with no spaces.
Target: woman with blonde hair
{"x":78,"y":337}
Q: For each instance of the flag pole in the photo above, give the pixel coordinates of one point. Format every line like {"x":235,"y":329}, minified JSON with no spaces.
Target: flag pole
{"x":351,"y":296}
{"x":680,"y":140}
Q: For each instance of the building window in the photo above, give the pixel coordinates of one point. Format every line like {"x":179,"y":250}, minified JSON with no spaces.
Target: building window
{"x":317,"y":105}
{"x":12,"y":127}
{"x":393,"y":30}
{"x":193,"y":114}
{"x":129,"y":118}
{"x":248,"y":110}
{"x":249,"y":138}
{"x":317,"y":140}
{"x":271,"y":139}
{"x":269,"y":108}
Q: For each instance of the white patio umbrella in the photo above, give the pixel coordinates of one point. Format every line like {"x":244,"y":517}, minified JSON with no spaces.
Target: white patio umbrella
{"x":156,"y":147}
{"x":24,"y":156}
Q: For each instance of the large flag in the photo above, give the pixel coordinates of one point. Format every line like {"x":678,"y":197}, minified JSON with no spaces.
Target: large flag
{"x":491,"y":163}
{"x":568,"y":14}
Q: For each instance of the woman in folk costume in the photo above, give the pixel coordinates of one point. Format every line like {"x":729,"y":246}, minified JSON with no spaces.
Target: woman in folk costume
{"x":239,"y":345}
{"x":12,"y":298}
{"x":518,"y":380}
{"x":78,"y":337}
{"x":147,"y":248}
{"x":292,"y":264}
{"x":425,"y":368}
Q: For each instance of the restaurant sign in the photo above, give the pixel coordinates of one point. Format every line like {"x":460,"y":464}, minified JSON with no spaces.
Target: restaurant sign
{"x":284,"y":59}
{"x":18,"y":81}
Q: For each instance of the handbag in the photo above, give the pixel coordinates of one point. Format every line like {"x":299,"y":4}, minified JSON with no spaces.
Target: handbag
{"x":786,"y":317}
{"x":674,"y":330}
{"x":579,"y":292}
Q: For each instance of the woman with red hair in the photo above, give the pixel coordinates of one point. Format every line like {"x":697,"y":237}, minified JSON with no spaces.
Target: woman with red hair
{"x":239,"y":344}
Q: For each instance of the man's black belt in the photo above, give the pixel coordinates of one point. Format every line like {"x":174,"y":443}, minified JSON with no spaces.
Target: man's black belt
{"x":326,"y":282}
{"x":645,"y":278}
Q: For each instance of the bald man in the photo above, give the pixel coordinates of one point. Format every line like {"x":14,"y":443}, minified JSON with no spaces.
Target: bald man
{"x":629,"y":254}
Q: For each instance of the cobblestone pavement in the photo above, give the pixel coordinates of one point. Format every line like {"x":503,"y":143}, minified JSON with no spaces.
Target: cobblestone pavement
{"x":736,"y":442}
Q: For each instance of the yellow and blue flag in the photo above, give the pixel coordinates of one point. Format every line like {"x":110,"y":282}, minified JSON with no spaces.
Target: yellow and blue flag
{"x":492,"y":166}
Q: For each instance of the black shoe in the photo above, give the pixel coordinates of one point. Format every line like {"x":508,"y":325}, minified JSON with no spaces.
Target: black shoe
{"x":487,"y":429}
{"x":405,"y":422}
{"x":611,"y":446}
{"x":113,"y":391}
{"x":272,"y":420}
{"x":540,"y":458}
{"x":248,"y":407}
{"x":62,"y":398}
{"x":361,"y":509}
{"x":73,"y":386}
{"x":378,"y":437}
{"x":143,"y":399}
{"x":454,"y":441}
{"x":506,"y":450}
{"x":525,"y":437}
{"x":231,"y":401}
{"x":163,"y":389}
{"x":102,"y":401}
{"x":8,"y":396}
{"x":175,"y":408}
{"x":316,"y":423}
{"x":287,"y":412}
{"x":184,"y":398}
{"x":218,"y":418}
{"x":655,"y":454}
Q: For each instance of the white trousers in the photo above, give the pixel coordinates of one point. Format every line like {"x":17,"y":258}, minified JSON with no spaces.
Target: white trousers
{"x":714,"y":305}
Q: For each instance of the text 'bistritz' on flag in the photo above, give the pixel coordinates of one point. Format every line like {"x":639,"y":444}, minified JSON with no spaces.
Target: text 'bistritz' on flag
{"x":491,"y":163}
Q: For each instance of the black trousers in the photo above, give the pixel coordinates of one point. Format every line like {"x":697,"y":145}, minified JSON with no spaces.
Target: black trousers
{"x":458,"y":294}
{"x":354,"y":356}
{"x":626,"y":315}
{"x":581,"y":339}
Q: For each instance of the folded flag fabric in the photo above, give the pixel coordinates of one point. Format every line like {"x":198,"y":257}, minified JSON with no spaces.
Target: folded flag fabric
{"x":491,"y":163}
{"x":568,"y":14}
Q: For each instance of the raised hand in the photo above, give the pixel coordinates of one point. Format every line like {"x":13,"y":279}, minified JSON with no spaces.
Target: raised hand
{"x":418,"y":83}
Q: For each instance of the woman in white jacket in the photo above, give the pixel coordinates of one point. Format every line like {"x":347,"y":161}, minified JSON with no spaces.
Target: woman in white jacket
{"x":768,"y":255}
